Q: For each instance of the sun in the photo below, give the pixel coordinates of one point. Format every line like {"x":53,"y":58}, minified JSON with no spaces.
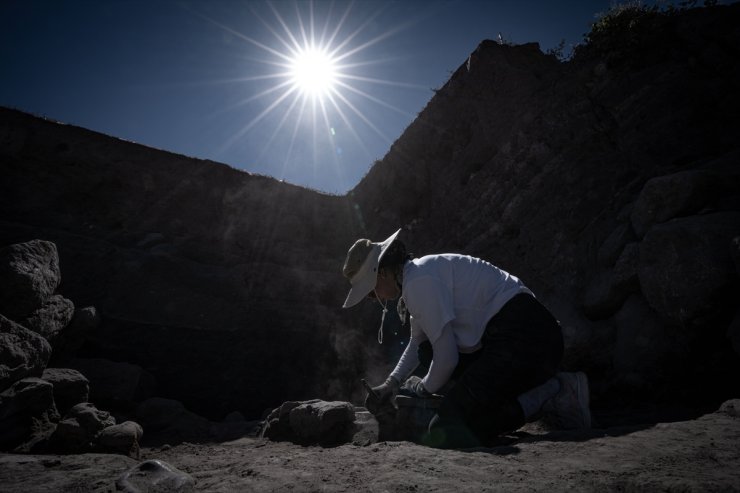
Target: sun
{"x":313,"y":72}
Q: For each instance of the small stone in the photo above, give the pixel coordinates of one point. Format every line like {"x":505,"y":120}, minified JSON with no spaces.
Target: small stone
{"x":155,"y":476}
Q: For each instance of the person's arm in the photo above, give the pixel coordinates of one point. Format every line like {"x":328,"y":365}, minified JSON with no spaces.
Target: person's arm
{"x":444,"y":361}
{"x":410,"y":358}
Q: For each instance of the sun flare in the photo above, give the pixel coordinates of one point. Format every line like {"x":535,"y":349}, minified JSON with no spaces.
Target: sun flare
{"x":313,"y":72}
{"x":316,"y":91}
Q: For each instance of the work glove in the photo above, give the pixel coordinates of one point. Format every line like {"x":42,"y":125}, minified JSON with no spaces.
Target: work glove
{"x":414,"y":388}
{"x":382,"y":393}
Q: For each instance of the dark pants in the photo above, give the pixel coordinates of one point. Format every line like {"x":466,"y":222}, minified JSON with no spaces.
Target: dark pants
{"x":522,"y":348}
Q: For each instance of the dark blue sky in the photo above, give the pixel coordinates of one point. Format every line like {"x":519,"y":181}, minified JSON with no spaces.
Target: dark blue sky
{"x":189,"y":77}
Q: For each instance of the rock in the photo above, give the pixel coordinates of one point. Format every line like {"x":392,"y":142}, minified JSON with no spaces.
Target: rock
{"x":608,"y":290}
{"x":90,"y":416}
{"x":115,"y":384}
{"x":312,"y":422}
{"x":733,"y":333}
{"x":646,"y":352}
{"x":157,"y":413}
{"x":667,"y":197}
{"x":83,"y":324}
{"x":685,"y":268}
{"x":79,"y":429}
{"x":42,"y":427}
{"x":625,"y":270}
{"x":84,"y":321}
{"x":367,"y":428}
{"x":168,"y":421}
{"x":150,"y":240}
{"x":122,"y":438}
{"x":277,"y":423}
{"x":325,"y":423}
{"x":614,"y":244}
{"x":70,"y":437}
{"x":70,"y":387}
{"x":233,"y":430}
{"x":599,"y":298}
{"x":155,"y":476}
{"x":731,"y":408}
{"x":234,"y":417}
{"x":51,"y":318}
{"x":29,"y":275}
{"x":27,"y":404}
{"x":23,"y":353}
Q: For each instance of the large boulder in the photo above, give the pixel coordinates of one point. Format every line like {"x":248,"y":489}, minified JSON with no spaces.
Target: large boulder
{"x":115,"y":384}
{"x":168,"y":421}
{"x":29,"y":275}
{"x":312,"y":422}
{"x":733,"y":333}
{"x":157,"y":413}
{"x":122,"y":439}
{"x":646,"y":352}
{"x":69,"y":341}
{"x":666,"y":197}
{"x":25,"y":407}
{"x":686,"y":269}
{"x":608,"y":290}
{"x":70,"y":387}
{"x":51,"y":317}
{"x":612,"y":247}
{"x":23,"y":353}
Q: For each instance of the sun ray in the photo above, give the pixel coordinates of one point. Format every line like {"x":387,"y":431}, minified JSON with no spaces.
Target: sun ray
{"x":259,"y":117}
{"x":346,"y":41}
{"x":293,"y":136}
{"x":382,"y":81}
{"x":362,"y":116}
{"x":339,"y":25}
{"x":248,"y":100}
{"x":306,"y":41}
{"x":349,"y":125}
{"x":375,"y":100}
{"x":241,"y":36}
{"x":296,"y":44}
{"x":278,"y":127}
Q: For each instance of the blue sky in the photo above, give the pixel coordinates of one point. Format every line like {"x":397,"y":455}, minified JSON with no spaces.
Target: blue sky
{"x":209,"y":79}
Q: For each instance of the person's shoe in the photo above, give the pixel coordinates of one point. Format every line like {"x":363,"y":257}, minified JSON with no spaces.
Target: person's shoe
{"x":568,"y":409}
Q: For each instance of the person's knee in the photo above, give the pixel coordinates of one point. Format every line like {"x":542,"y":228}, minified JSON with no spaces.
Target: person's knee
{"x":449,"y":433}
{"x":463,"y":421}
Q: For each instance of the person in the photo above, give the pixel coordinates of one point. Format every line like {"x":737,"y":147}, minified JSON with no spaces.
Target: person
{"x":487,"y":344}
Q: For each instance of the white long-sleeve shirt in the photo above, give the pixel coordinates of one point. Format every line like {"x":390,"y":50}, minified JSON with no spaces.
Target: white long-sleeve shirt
{"x":450,"y":299}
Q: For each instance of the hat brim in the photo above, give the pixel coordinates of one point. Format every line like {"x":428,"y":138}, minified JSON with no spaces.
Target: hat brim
{"x":364,"y":281}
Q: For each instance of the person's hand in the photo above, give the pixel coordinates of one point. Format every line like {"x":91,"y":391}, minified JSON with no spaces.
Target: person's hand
{"x":381,"y":394}
{"x":414,"y":388}
{"x":387,"y":390}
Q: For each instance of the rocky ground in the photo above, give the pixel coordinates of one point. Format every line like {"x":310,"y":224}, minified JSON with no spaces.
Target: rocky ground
{"x":696,"y":455}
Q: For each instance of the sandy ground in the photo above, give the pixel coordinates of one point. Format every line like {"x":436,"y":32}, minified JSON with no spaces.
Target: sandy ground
{"x":697,"y":455}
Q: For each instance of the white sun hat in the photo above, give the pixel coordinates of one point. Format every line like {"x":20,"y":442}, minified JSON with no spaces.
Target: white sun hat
{"x":361,"y":267}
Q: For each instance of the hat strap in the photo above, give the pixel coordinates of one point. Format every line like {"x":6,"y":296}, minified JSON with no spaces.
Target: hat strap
{"x":382,"y":318}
